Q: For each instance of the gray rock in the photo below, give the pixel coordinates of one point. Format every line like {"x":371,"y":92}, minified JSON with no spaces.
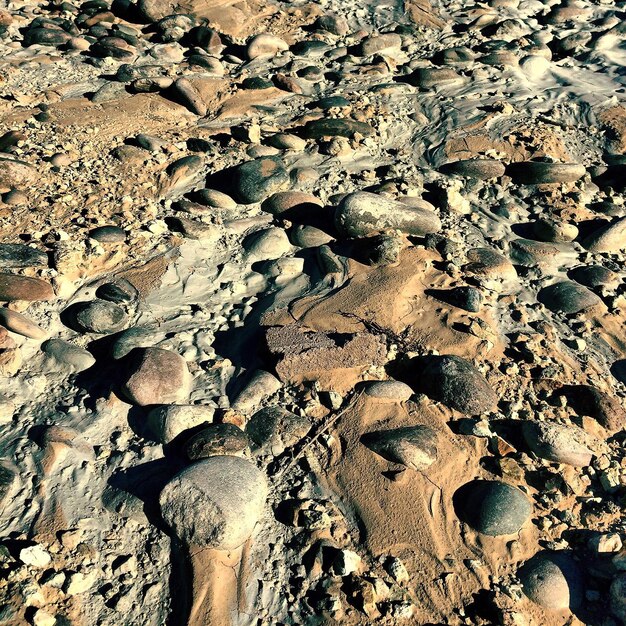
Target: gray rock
{"x":309,"y":237}
{"x":429,"y":77}
{"x":8,"y":478}
{"x":529,"y":253}
{"x":567,"y":297}
{"x":465,"y":297}
{"x":609,"y":238}
{"x":554,"y":231}
{"x":481,"y":169}
{"x":389,"y":390}
{"x":380,"y":43}
{"x":413,"y":446}
{"x":363,"y":214}
{"x":335,"y":127}
{"x":553,"y":580}
{"x":492,"y":507}
{"x":489,"y":263}
{"x":265,"y":45}
{"x":594,"y":276}
{"x":261,"y":385}
{"x":255,"y":180}
{"x":167,"y":421}
{"x":617,"y":595}
{"x":108,"y":234}
{"x":20,"y":324}
{"x":68,"y":354}
{"x":136,"y":337}
{"x":121,"y":291}
{"x":562,"y":444}
{"x":21,"y":255}
{"x":99,"y":316}
{"x":156,"y":376}
{"x":539,"y":173}
{"x":216,"y":439}
{"x":456,"y":383}
{"x":274,"y":429}
{"x":215,"y":503}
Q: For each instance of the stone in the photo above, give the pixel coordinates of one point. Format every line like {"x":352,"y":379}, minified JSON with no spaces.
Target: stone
{"x":492,"y":507}
{"x":266,"y":244}
{"x":99,"y":316}
{"x":610,"y":238}
{"x":15,"y":174}
{"x":554,"y":231}
{"x":530,"y":253}
{"x":429,"y":77}
{"x":594,"y":276}
{"x":480,"y":169}
{"x":287,"y":141}
{"x":8,"y":478}
{"x":617,"y":595}
{"x":216,"y":199}
{"x":552,"y":580}
{"x":568,"y":297}
{"x":455,"y":382}
{"x":121,"y":291}
{"x":17,"y":255}
{"x":605,"y":408}
{"x":334,"y":24}
{"x":255,"y":180}
{"x":66,"y":353}
{"x":20,"y":324}
{"x":216,"y":439}
{"x":215,"y":502}
{"x":43,"y":618}
{"x":261,"y":385}
{"x":379,"y":44}
{"x":275,"y":429}
{"x":108,"y":234}
{"x":15,"y":287}
{"x":265,"y":45}
{"x":605,"y":543}
{"x":389,"y":390}
{"x":80,"y":583}
{"x":363,"y":214}
{"x":131,"y":338}
{"x":541,"y":173}
{"x":35,"y":556}
{"x":335,"y":127}
{"x":189,"y":96}
{"x":167,"y":421}
{"x":346,"y":562}
{"x":559,"y":443}
{"x":465,"y":297}
{"x":489,"y":263}
{"x":292,"y":205}
{"x":412,"y":446}
{"x":305,"y":236}
{"x":156,"y":376}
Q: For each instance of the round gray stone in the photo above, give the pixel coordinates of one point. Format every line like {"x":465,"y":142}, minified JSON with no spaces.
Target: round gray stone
{"x":567,"y":297}
{"x":562,"y":444}
{"x":412,"y":446}
{"x":99,"y":316}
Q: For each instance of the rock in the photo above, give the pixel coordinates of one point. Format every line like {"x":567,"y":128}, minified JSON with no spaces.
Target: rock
{"x":467,"y":298}
{"x":108,"y":234}
{"x":35,"y":556}
{"x":309,"y":237}
{"x":540,"y":173}
{"x":455,"y":382}
{"x":378,"y":44}
{"x":80,"y":583}
{"x":617,"y":594}
{"x":567,"y":297}
{"x":261,"y":385}
{"x":266,"y":244}
{"x":167,"y":421}
{"x":255,"y":180}
{"x":346,"y":562}
{"x":14,"y":287}
{"x":15,"y":174}
{"x":492,"y":507}
{"x":68,"y":354}
{"x":594,"y":276}
{"x":363,"y":214}
{"x":43,"y":618}
{"x":429,"y":77}
{"x":334,"y":24}
{"x":603,"y":407}
{"x":216,"y":439}
{"x":335,"y":127}
{"x":99,"y":316}
{"x":610,"y":238}
{"x":330,"y":102}
{"x":131,"y":338}
{"x":20,"y":324}
{"x":216,"y":199}
{"x":8,"y":478}
{"x":121,"y":291}
{"x":481,"y":169}
{"x":389,"y":390}
{"x":274,"y":429}
{"x":156,"y":376}
{"x":562,"y":444}
{"x":265,"y":45}
{"x":557,"y":232}
{"x":16,"y":255}
{"x":552,"y":580}
{"x":287,"y":141}
{"x":605,"y":543}
{"x":413,"y":446}
{"x":189,"y":96}
{"x":215,"y":503}
{"x":292,"y":205}
{"x":489,"y":263}
{"x":529,"y":253}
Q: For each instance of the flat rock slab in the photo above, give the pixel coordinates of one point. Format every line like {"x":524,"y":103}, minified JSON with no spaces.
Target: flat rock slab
{"x":412,"y":446}
{"x":15,"y":287}
{"x":568,"y":297}
{"x":215,"y":503}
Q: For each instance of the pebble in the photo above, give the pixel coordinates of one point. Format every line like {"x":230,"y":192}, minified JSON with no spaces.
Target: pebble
{"x":389,"y":390}
{"x":215,"y":502}
{"x":363,"y":214}
{"x":255,"y":180}
{"x":412,"y":446}
{"x":18,"y":255}
{"x":287,"y":141}
{"x":335,"y":24}
{"x":559,"y":443}
{"x":265,"y":45}
{"x":492,"y":507}
{"x":66,"y":353}
{"x":552,"y":580}
{"x":131,"y":338}
{"x":20,"y":324}
{"x":480,"y":169}
{"x":489,"y":263}
{"x":216,"y":199}
{"x":108,"y":234}
{"x":455,"y":382}
{"x":121,"y":291}
{"x":467,"y":298}
{"x":540,"y":173}
{"x":99,"y":316}
{"x":309,"y":237}
{"x":156,"y":376}
{"x":36,"y":556}
{"x":567,"y":297}
{"x":275,"y":429}
{"x":529,"y":253}
{"x":167,"y":421}
{"x":216,"y":439}
{"x":429,"y":77}
{"x":610,"y":238}
{"x":15,"y":287}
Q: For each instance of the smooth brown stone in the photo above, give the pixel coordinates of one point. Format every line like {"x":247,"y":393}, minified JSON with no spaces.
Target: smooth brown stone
{"x":15,"y":287}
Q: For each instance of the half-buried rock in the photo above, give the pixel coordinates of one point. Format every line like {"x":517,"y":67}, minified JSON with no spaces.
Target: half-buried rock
{"x":168,"y":421}
{"x":540,"y":172}
{"x":156,"y":376}
{"x":456,"y":383}
{"x":215,"y":503}
{"x":412,"y":446}
{"x":568,"y":297}
{"x":492,"y":507}
{"x":254,"y":181}
{"x":553,"y":580}
{"x":216,"y":440}
{"x":275,"y":429}
{"x":99,"y":316}
{"x":481,"y":169}
{"x":15,"y":287}
{"x":364,"y":214}
{"x":562,"y":444}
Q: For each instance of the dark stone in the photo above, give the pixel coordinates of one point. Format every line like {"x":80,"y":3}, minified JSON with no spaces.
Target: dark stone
{"x":466,"y":298}
{"x":492,"y":507}
{"x":45,"y":37}
{"x":456,"y":383}
{"x":7,"y":480}
{"x":603,"y":407}
{"x":412,"y":446}
{"x":312,"y":47}
{"x":274,"y":428}
{"x":108,"y":234}
{"x":331,"y":102}
{"x":99,"y":316}
{"x":121,"y":291}
{"x":256,"y":82}
{"x":335,"y":127}
{"x":21,"y":255}
{"x":255,"y":180}
{"x":594,"y":276}
{"x":482,"y":169}
{"x":567,"y":297}
{"x":539,"y":172}
{"x":429,"y":77}
{"x":216,"y":439}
